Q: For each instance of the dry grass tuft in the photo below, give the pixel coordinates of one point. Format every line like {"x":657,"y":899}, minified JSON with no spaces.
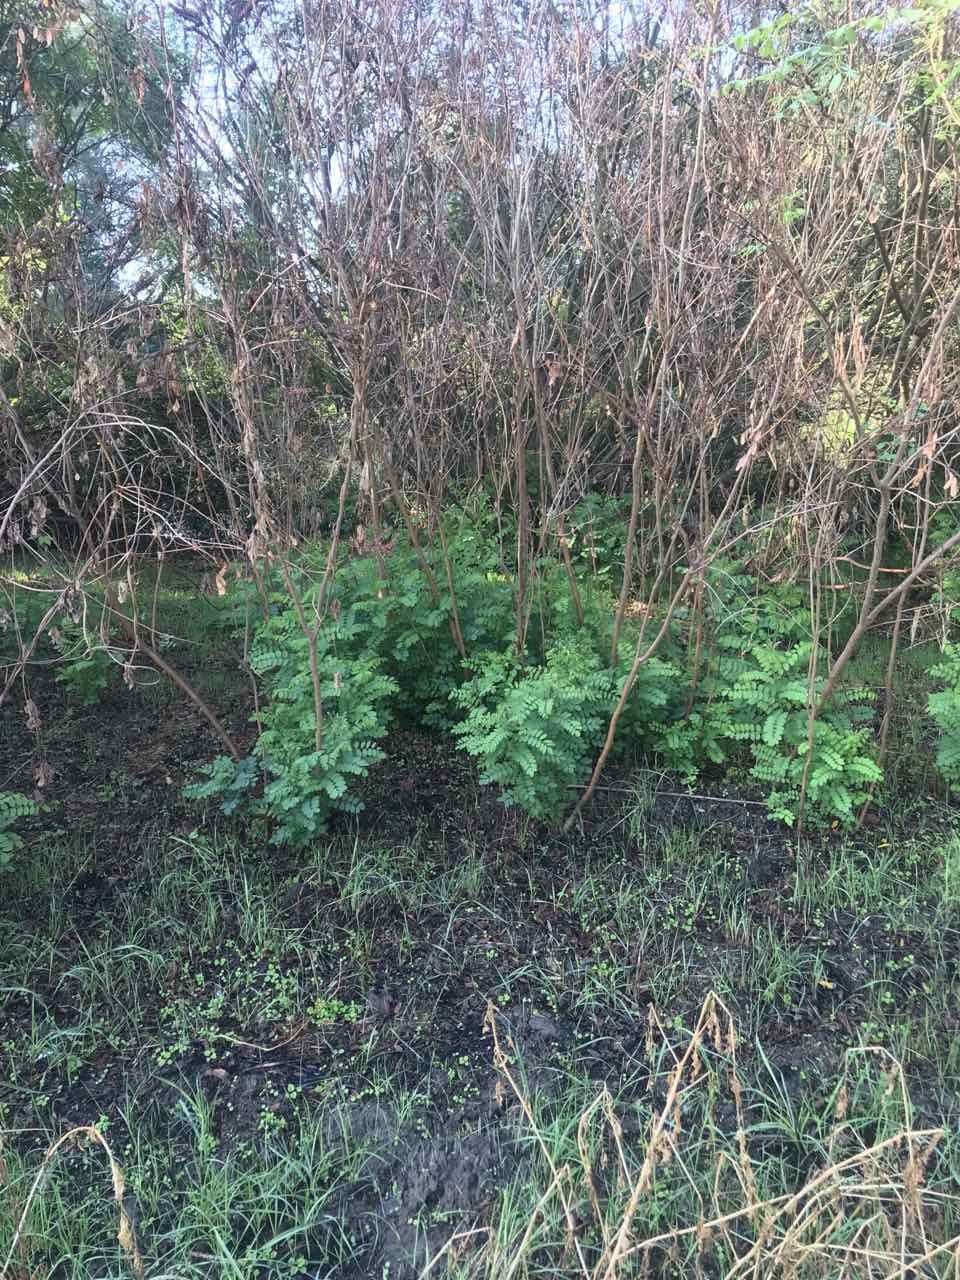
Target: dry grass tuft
{"x":16,"y":1265}
{"x":866,"y":1214}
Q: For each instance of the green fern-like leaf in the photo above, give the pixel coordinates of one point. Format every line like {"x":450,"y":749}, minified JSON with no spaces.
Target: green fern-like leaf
{"x":13,"y":807}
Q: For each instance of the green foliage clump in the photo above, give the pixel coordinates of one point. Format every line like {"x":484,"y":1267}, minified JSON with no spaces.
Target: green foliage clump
{"x":408,"y":622}
{"x":303,"y":783}
{"x":13,"y":807}
{"x":308,"y":784}
{"x":595,"y":535}
{"x":72,"y":641}
{"x":750,"y":711}
{"x":944,"y":707}
{"x":533,"y":730}
{"x":741,"y":613}
{"x":534,"y":721}
{"x":230,"y":781}
{"x":86,"y":668}
{"x":754,"y":712}
{"x":946,"y":595}
{"x":769,"y":709}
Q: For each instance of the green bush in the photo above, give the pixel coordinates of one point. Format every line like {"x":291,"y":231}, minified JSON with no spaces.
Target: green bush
{"x":769,"y":710}
{"x":596,"y":532}
{"x":534,"y":730}
{"x":749,"y":714}
{"x":753,"y":711}
{"x":86,"y":668}
{"x":944,"y":707}
{"x":535,"y":721}
{"x":302,"y":786}
{"x":411,"y":631}
{"x":385,"y":649}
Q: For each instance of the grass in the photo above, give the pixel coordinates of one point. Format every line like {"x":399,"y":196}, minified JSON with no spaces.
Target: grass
{"x":211,"y":1012}
{"x":252,"y":1209}
{"x":780,"y":1173}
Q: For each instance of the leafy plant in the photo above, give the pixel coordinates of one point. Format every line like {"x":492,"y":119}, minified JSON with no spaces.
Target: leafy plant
{"x":332,"y":1009}
{"x":944,"y":707}
{"x":407,"y":628}
{"x":742,"y":613}
{"x":656,"y":702}
{"x":304,"y":782}
{"x":947,"y":591}
{"x":72,"y":643}
{"x":596,"y":532}
{"x":769,"y":709}
{"x":533,"y":730}
{"x":408,"y":622}
{"x":230,"y":780}
{"x":534,"y":721}
{"x":754,"y":708}
{"x":86,"y":668}
{"x":13,"y":807}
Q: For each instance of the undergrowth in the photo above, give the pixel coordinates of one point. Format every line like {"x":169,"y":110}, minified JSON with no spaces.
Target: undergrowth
{"x":740,"y":705}
{"x":425,"y":634}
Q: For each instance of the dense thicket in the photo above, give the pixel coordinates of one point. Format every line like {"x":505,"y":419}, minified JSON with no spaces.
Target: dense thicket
{"x":288,"y":271}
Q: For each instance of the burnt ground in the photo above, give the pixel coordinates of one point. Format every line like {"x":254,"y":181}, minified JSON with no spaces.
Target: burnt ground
{"x":212,"y":1001}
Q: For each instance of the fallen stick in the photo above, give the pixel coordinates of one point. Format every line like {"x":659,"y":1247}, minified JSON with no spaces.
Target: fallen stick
{"x":673,"y":795}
